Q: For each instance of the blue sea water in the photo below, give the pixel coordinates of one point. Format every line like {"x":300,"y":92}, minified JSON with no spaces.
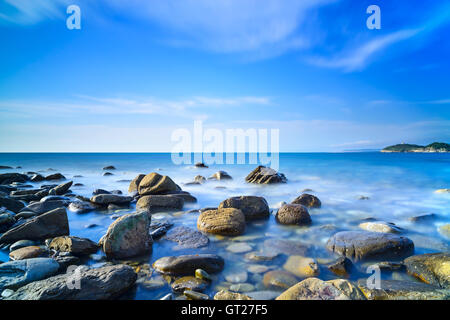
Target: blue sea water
{"x":399,"y":186}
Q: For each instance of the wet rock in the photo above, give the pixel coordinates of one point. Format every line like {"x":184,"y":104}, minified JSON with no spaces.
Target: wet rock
{"x":187,"y":264}
{"x":187,"y":238}
{"x":261,"y":256}
{"x":308,"y":201}
{"x":37,"y":178}
{"x":55,"y":176}
{"x":203,"y":275}
{"x":8,"y":178}
{"x":11,"y":204}
{"x":81,"y":207}
{"x":380,"y":226}
{"x":279,"y":279}
{"x":442,"y":191}
{"x":75,"y":245}
{"x":18,"y":273}
{"x":265,"y":175}
{"x":403,"y":290}
{"x":364,"y":245}
{"x":155,"y":203}
{"x":134,"y":184}
{"x":201,"y":165}
{"x":316,"y":289}
{"x":341,"y":267}
{"x":389,"y":266}
{"x":27,"y":253}
{"x":189,"y":283}
{"x":61,"y":189}
{"x":97,"y":284}
{"x":225,"y":221}
{"x":302,"y":266}
{"x":429,"y":243}
{"x":55,"y":198}
{"x":239,"y":248}
{"x":5,"y":167}
{"x":227,"y":295}
{"x":100,"y":191}
{"x":193,"y":295}
{"x":431,"y":268}
{"x":109,"y":168}
{"x":263,"y":294}
{"x":7,"y":220}
{"x":424,"y":218}
{"x":65,"y":259}
{"x":48,"y":225}
{"x":128,"y":236}
{"x":287,"y":247}
{"x":293,"y":214}
{"x":220,"y":175}
{"x":21,"y":244}
{"x":42,"y":207}
{"x":106,"y":199}
{"x":242,"y":287}
{"x":106,"y":174}
{"x":155,"y":183}
{"x":186,"y":196}
{"x":363,"y":198}
{"x":445,"y":230}
{"x":200,"y":179}
{"x":158,"y":229}
{"x":252,"y":207}
{"x":236,"y":275}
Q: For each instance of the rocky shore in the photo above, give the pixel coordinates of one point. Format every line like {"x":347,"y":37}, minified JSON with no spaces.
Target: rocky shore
{"x":223,"y":258}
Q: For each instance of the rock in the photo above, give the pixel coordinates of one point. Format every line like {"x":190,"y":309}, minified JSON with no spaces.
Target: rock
{"x":186,"y":196}
{"x":37,"y":178}
{"x":264,"y":175}
{"x":5,"y":167}
{"x":364,"y":245}
{"x":100,"y":191}
{"x":134,"y":184}
{"x":55,"y":176}
{"x":442,"y":191}
{"x":423,"y":218}
{"x":203,"y":275}
{"x":341,"y":267}
{"x":106,"y":174}
{"x":242,"y":287}
{"x":155,"y":203}
{"x":18,"y":273}
{"x":287,"y":247}
{"x":201,"y":165}
{"x":8,"y":178}
{"x":308,"y":201}
{"x":65,"y":259}
{"x":363,"y":198}
{"x":75,"y":245}
{"x":109,"y":168}
{"x":316,"y":289}
{"x":81,"y":207}
{"x":158,"y":229}
{"x":261,"y":256}
{"x":106,"y":199}
{"x":187,"y":264}
{"x":42,"y":207}
{"x":227,"y":295}
{"x":220,"y":175}
{"x":279,"y":279}
{"x":7,"y":293}
{"x":445,"y":230}
{"x":263,"y":295}
{"x":239,"y":248}
{"x":55,"y":198}
{"x":96,"y":284}
{"x":128,"y":236}
{"x":11,"y":204}
{"x":302,"y":267}
{"x":7,"y":220}
{"x":380,"y":226}
{"x":225,"y":221}
{"x":187,"y":238}
{"x":155,"y":183}
{"x":252,"y":207}
{"x":200,"y":179}
{"x":431,"y":268}
{"x":189,"y":283}
{"x":61,"y":189}
{"x":293,"y":214}
{"x":48,"y":225}
{"x":27,"y":253}
{"x":21,"y":244}
{"x":193,"y":295}
{"x":236,"y":275}
{"x":403,"y":290}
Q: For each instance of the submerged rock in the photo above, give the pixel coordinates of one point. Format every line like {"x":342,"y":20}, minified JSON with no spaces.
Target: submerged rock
{"x":341,"y":267}
{"x":11,"y":204}
{"x":225,"y":221}
{"x":81,"y":207}
{"x":189,"y":283}
{"x":365,"y":245}
{"x":252,"y":207}
{"x":55,"y":176}
{"x":279,"y":279}
{"x":293,"y":214}
{"x":187,"y":238}
{"x":264,"y":175}
{"x":106,"y":199}
{"x":154,"y":183}
{"x":227,"y":295}
{"x":187,"y":264}
{"x":380,"y":226}
{"x":302,"y":267}
{"x":155,"y":203}
{"x":287,"y":247}
{"x":46,"y":206}
{"x":431,"y":268}
{"x":308,"y":201}
{"x":74,"y":245}
{"x":445,"y":230}
{"x":424,"y":218}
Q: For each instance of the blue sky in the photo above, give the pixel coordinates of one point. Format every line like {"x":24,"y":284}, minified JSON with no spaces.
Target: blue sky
{"x":137,"y":70}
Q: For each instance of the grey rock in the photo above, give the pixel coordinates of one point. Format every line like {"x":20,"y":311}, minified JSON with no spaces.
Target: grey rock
{"x":187,"y":238}
{"x":187,"y":264}
{"x":252,"y":207}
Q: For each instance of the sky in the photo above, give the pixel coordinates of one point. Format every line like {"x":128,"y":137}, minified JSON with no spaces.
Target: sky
{"x":138,"y":70}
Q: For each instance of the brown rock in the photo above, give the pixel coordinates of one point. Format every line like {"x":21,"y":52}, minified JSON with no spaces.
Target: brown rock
{"x":225,"y":221}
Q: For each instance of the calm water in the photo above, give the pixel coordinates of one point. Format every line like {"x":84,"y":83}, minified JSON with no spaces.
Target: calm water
{"x":398,"y":185}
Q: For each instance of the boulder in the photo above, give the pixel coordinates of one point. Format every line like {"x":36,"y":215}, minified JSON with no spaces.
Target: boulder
{"x":21,"y":244}
{"x":187,"y":238}
{"x":220,"y":175}
{"x":201,"y":165}
{"x":48,"y":225}
{"x":252,"y":207}
{"x":8,"y":178}
{"x":55,"y":176}
{"x":155,"y":183}
{"x":302,"y":267}
{"x":128,"y":236}
{"x":186,"y":196}
{"x":106,"y":199}
{"x":308,"y":200}
{"x":227,"y":295}
{"x":155,"y":203}
{"x":341,"y":267}
{"x":75,"y":245}
{"x":187,"y":264}
{"x":109,"y":168}
{"x":431,"y":268}
{"x":293,"y":214}
{"x":265,"y":175}
{"x":37,"y":178}
{"x":14,"y":274}
{"x":11,"y":204}
{"x":81,"y":207}
{"x":225,"y":221}
{"x":380,"y":226}
{"x":27,"y":253}
{"x":134,"y":184}
{"x":364,"y":245}
{"x":61,"y":189}
{"x":200,"y":179}
{"x":7,"y":220}
{"x":279,"y":279}
{"x":42,"y":207}
{"x":94,"y":284}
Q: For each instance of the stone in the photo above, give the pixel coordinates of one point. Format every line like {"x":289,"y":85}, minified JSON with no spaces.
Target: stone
{"x":279,"y":279}
{"x":187,"y":264}
{"x":128,"y":236}
{"x":203,"y":275}
{"x":316,"y":289}
{"x":252,"y":207}
{"x":109,"y":168}
{"x":100,"y":191}
{"x":27,"y":253}
{"x":242,"y":287}
{"x":42,"y":207}
{"x":21,"y":244}
{"x":308,"y":200}
{"x":61,"y":189}
{"x":75,"y":245}
{"x":423,"y":218}
{"x":37,"y":178}
{"x":106,"y":174}
{"x":403,"y":290}
{"x":134,"y":184}
{"x":239,"y":248}
{"x":155,"y":183}
{"x":11,"y":204}
{"x":7,"y":220}
{"x":186,"y":196}
{"x":445,"y":230}
{"x":97,"y":284}
{"x":55,"y":176}
{"x":365,"y":245}
{"x":106,"y":199}
{"x":227,"y":295}
{"x":14,"y":274}
{"x":48,"y":225}
{"x":156,"y":203}
{"x":189,"y":283}
{"x":187,"y":238}
{"x":201,"y":165}
{"x":220,"y":175}
{"x":442,"y":191}
{"x":81,"y":207}
{"x":265,"y":175}
{"x":225,"y":221}
{"x":431,"y":268}
{"x":380,"y":226}
{"x":263,"y":294}
{"x":341,"y":267}
{"x":236,"y":275}
{"x":293,"y":214}
{"x":287,"y":247}
{"x":193,"y":295}
{"x":200,"y":179}
{"x":261,"y":256}
{"x":8,"y":178}
{"x":302,"y":267}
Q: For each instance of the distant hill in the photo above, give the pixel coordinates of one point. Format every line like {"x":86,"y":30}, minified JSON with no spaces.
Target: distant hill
{"x":404,"y":147}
